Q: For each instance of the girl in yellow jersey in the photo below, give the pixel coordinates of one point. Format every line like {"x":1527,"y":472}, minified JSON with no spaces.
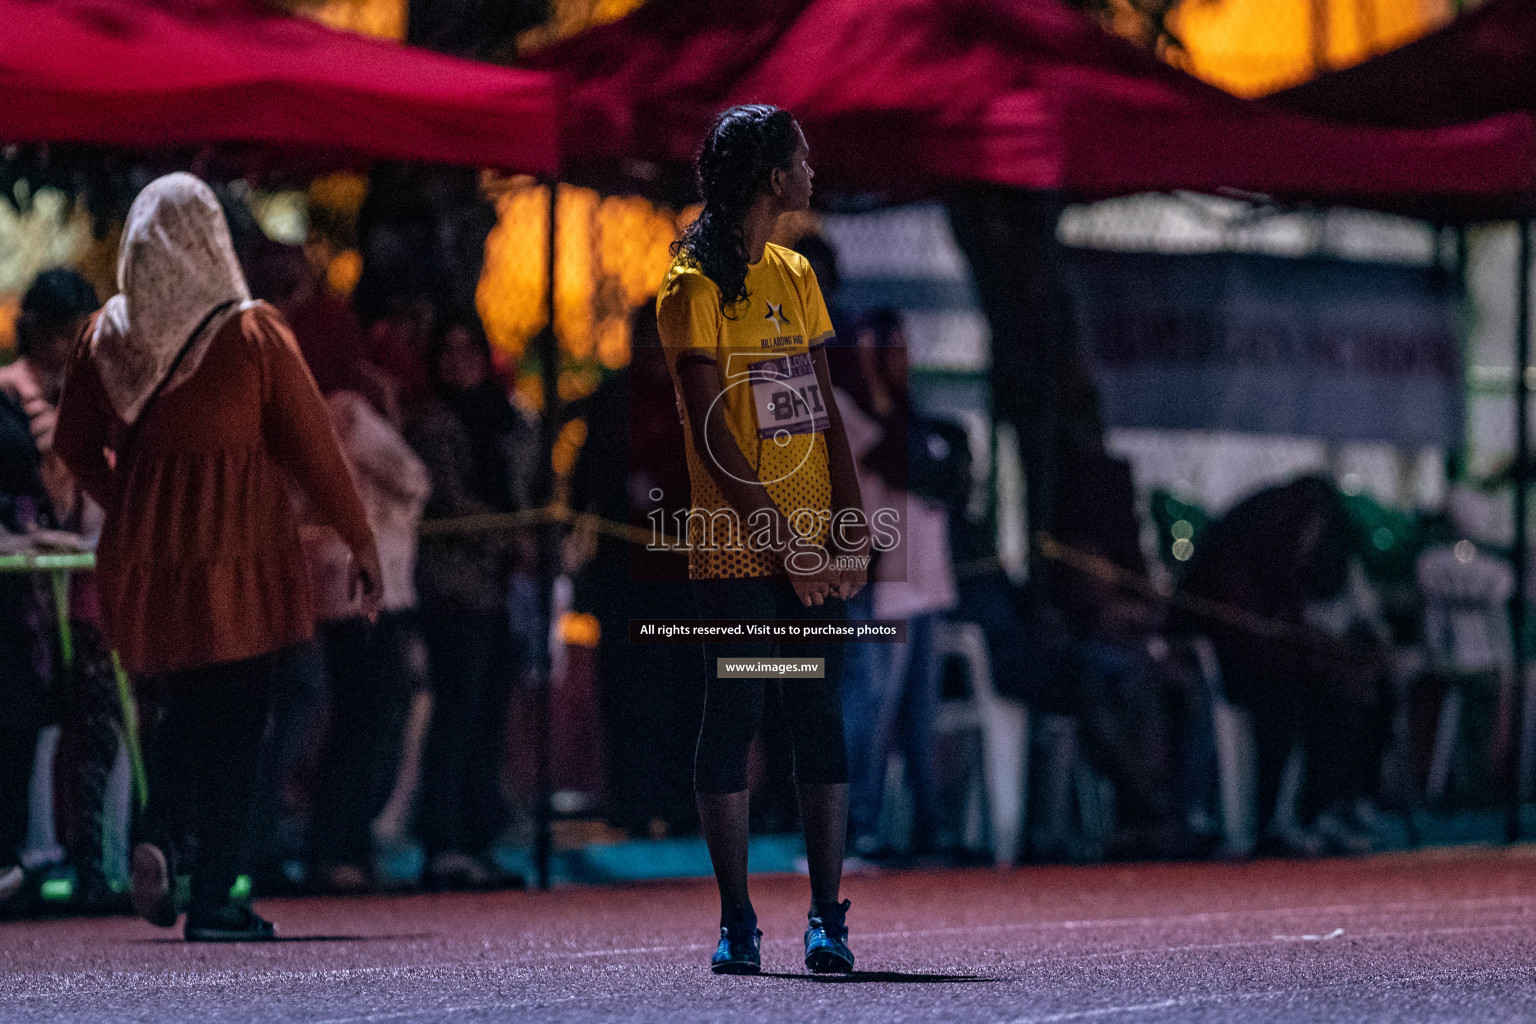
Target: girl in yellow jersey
{"x":776,"y":530}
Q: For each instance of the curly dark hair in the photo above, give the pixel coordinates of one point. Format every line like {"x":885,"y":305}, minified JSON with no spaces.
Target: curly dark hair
{"x":54,"y":304}
{"x":744,"y":146}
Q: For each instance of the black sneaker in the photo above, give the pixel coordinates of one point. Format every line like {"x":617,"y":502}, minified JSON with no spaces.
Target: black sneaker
{"x":826,"y":941}
{"x":740,"y":951}
{"x":228,"y":924}
{"x":153,"y":899}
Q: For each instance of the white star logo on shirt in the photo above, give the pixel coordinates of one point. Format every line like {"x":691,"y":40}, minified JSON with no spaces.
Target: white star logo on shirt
{"x":776,"y":314}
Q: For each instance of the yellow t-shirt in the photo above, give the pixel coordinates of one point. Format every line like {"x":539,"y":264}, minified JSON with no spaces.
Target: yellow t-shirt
{"x":771,"y":399}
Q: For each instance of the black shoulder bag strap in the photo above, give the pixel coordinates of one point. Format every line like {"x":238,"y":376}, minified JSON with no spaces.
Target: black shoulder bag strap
{"x":202,"y":325}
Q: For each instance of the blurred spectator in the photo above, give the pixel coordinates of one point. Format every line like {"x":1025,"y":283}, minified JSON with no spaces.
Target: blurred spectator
{"x":281,"y":275}
{"x":1271,"y":556}
{"x":327,"y":330}
{"x":26,"y":650}
{"x":286,"y":768}
{"x":323,"y":324}
{"x":54,"y":312}
{"x":398,"y":344}
{"x":481,"y":453}
{"x":297,"y":801}
{"x":651,"y":693}
{"x":368,"y":665}
{"x":891,"y":691}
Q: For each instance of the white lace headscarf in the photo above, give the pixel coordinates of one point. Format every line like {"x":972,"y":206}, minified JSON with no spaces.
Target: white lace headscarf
{"x":175,"y":264}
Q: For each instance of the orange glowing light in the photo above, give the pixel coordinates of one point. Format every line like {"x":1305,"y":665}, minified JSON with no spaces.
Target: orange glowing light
{"x":381,"y":19}
{"x":611,"y":254}
{"x":1252,"y":47}
{"x":580,"y":629}
{"x":344,"y":271}
{"x":10,"y":309}
{"x":567,"y":445}
{"x":341,"y":193}
{"x":567,"y":17}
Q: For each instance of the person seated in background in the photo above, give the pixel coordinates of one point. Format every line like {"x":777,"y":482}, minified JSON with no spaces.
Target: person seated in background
{"x":1139,"y":709}
{"x":481,"y":452}
{"x":54,"y":312}
{"x":1266,"y":561}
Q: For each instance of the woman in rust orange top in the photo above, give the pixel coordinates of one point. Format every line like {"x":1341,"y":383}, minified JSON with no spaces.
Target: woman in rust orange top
{"x":186,"y":410}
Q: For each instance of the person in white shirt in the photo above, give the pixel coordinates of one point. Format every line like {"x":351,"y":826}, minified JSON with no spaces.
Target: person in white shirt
{"x":890,"y":697}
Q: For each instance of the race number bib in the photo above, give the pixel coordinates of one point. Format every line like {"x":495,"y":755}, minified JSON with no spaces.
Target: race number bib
{"x":787,"y":397}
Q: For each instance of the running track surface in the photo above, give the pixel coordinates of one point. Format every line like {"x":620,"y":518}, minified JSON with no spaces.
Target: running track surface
{"x":1429,"y":936}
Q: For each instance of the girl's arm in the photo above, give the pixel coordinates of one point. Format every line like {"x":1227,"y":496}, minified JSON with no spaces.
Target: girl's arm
{"x":717,"y":446}
{"x":298,"y":428}
{"x":733,"y":474}
{"x":850,"y":532}
{"x":84,"y":424}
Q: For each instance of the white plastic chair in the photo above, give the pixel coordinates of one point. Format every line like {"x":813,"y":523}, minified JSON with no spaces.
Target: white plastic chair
{"x":1003,"y":725}
{"x":1467,"y":637}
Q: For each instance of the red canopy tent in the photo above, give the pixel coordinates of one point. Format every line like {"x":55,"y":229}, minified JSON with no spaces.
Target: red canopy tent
{"x":176,"y":72}
{"x":908,"y":95}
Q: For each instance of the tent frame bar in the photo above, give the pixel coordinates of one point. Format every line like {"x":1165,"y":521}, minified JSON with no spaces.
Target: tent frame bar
{"x":548,"y":563}
{"x":1518,"y":603}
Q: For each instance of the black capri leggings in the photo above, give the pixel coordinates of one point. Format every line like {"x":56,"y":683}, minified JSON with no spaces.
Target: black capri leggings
{"x":813,"y":708}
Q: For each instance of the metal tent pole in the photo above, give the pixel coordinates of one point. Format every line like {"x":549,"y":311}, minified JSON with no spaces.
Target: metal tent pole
{"x":1515,"y":730}
{"x":549,"y":541}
